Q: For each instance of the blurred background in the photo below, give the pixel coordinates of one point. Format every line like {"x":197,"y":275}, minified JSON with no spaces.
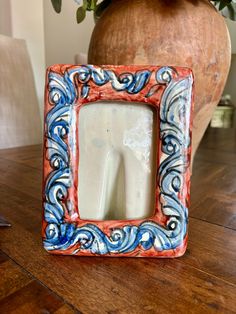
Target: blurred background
{"x":50,"y":38}
{"x":57,"y":38}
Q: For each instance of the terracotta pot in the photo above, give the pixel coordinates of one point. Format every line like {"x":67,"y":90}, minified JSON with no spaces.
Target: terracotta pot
{"x":161,"y":32}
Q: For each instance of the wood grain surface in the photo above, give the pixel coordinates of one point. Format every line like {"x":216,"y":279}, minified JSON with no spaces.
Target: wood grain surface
{"x":202,"y":281}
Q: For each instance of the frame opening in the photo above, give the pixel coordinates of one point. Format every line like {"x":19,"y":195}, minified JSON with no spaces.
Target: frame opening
{"x":117,"y":160}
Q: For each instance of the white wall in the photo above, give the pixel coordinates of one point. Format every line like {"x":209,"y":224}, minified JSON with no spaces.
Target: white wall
{"x":232,"y":31}
{"x":230,"y":87}
{"x":28,"y":23}
{"x":5,"y":18}
{"x":64,"y":38}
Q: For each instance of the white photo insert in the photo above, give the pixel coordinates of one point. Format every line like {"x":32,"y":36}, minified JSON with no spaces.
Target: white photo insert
{"x":117,"y":161}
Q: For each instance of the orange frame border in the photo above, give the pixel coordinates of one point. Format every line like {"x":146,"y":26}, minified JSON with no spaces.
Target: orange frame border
{"x":68,"y":88}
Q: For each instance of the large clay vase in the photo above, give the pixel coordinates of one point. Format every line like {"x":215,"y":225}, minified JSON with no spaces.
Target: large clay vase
{"x":168,"y":32}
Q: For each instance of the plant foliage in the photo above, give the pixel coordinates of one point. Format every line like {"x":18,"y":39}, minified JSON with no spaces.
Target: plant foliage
{"x":226,"y":7}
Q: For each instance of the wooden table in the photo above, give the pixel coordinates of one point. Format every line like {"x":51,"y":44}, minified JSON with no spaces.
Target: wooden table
{"x":203,"y":281}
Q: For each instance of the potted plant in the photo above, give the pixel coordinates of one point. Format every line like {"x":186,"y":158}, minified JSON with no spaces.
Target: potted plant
{"x":189,"y":33}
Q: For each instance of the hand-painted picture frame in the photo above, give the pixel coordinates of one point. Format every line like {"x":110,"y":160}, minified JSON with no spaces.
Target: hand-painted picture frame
{"x":169,"y":90}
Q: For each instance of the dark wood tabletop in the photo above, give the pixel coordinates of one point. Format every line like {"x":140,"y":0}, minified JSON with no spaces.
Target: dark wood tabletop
{"x":202,"y":281}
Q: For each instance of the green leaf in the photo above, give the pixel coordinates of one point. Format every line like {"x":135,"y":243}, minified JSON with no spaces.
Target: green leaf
{"x":85,"y":4}
{"x":80,"y":14}
{"x":230,"y":11}
{"x":93,"y":4}
{"x":57,"y":5}
{"x":101,"y":7}
{"x":223,"y":4}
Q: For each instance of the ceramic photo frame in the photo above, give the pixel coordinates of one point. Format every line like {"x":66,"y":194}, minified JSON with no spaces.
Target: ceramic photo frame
{"x":169,"y":92}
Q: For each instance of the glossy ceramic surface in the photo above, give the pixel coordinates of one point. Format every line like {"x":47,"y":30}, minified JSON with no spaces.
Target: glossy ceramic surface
{"x":117,"y":160}
{"x":169,"y":91}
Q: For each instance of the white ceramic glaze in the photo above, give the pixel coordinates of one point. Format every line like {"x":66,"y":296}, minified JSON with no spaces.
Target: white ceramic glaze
{"x":117,"y":161}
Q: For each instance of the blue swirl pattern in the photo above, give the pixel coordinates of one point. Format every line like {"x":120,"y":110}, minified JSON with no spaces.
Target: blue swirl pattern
{"x":175,"y":139}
